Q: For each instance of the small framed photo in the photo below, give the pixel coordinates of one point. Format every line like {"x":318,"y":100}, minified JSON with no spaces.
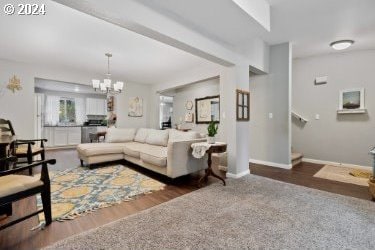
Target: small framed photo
{"x":352,"y":100}
{"x":189,"y":117}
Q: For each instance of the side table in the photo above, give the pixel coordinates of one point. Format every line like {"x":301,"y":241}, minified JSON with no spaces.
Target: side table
{"x":214,"y":148}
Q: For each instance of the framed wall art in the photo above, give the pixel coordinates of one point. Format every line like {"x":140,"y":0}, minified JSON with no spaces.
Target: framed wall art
{"x":135,"y":107}
{"x":242,"y":105}
{"x":352,"y":101}
{"x":110,"y":103}
{"x":189,"y":117}
{"x":207,"y":109}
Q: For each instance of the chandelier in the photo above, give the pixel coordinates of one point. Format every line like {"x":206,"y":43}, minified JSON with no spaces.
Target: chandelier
{"x":107,"y":86}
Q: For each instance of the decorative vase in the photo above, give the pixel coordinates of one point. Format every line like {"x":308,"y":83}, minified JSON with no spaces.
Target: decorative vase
{"x":211,"y":139}
{"x":371,"y":184}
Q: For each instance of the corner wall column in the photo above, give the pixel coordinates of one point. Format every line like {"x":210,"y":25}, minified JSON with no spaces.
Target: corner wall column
{"x":236,"y":133}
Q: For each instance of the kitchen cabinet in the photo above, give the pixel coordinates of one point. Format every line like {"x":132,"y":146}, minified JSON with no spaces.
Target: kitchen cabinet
{"x":74,"y":136}
{"x":96,"y":106}
{"x":62,"y":136}
{"x":48,"y":133}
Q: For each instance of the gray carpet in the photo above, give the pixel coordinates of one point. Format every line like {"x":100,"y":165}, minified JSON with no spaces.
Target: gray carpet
{"x":252,"y":212}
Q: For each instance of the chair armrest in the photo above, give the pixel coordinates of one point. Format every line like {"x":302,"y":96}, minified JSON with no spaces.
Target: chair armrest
{"x":44,"y":163}
{"x":19,"y":142}
{"x":33,"y":140}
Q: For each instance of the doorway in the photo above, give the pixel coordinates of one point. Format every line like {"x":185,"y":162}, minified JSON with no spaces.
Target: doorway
{"x":166,"y":112}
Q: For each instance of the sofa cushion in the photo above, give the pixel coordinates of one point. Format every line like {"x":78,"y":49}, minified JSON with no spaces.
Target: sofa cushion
{"x":141,"y":135}
{"x":90,"y":149}
{"x":120,"y":134}
{"x":175,"y":135}
{"x":157,"y":137}
{"x":133,"y":149}
{"x":156,"y":155}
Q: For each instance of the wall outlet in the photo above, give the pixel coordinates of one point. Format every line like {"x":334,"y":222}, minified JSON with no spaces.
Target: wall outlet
{"x":317,"y":117}
{"x":270,"y":115}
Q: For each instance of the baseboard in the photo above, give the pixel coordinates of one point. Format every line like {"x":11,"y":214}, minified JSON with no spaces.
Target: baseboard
{"x":338,"y":164}
{"x":239,"y":175}
{"x":271,"y":164}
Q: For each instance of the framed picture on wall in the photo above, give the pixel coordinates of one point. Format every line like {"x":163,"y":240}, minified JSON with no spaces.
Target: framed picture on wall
{"x":189,"y":117}
{"x":243,"y":105}
{"x":207,"y":109}
{"x":110,"y":103}
{"x":135,"y":107}
{"x":352,"y":101}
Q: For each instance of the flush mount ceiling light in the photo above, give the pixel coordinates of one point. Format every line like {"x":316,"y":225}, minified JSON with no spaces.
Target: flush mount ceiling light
{"x":342,"y":44}
{"x":107,"y":86}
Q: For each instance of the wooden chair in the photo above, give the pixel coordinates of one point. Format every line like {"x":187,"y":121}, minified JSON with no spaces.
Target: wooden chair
{"x":24,"y":148}
{"x":14,"y":187}
{"x":166,"y":125}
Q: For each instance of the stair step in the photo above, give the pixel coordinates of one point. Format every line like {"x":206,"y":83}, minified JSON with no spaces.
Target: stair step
{"x":296,"y":158}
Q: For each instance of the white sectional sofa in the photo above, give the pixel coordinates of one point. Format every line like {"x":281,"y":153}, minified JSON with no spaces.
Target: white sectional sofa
{"x":167,"y":152}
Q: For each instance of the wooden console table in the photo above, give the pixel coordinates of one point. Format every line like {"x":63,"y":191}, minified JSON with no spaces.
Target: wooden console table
{"x":215,"y":148}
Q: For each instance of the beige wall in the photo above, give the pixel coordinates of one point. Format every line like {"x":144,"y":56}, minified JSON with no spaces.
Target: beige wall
{"x":270,"y":140}
{"x":191,"y":92}
{"x":122,"y":106}
{"x":19,"y":107}
{"x":338,"y":138}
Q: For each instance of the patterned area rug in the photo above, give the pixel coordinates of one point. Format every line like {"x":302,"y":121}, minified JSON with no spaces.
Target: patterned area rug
{"x":77,"y":191}
{"x":344,"y":174}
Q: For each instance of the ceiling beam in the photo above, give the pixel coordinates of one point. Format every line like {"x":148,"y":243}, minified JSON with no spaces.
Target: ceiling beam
{"x":259,"y":10}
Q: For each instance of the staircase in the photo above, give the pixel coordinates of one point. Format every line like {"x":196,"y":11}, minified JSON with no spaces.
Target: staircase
{"x":296,"y":158}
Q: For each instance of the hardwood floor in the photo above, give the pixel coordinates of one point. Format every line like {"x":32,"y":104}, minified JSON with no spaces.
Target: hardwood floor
{"x":20,"y":236}
{"x":302,"y":175}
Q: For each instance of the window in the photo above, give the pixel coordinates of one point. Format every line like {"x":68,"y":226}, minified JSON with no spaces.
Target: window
{"x":67,"y":110}
{"x":243,"y":105}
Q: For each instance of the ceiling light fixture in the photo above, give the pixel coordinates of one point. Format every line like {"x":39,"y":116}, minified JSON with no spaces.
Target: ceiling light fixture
{"x":106,"y":86}
{"x":342,"y":44}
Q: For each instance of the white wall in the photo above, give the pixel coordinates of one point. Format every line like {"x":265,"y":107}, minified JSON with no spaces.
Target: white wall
{"x":338,"y":138}
{"x":122,"y":106}
{"x":19,"y":107}
{"x":270,"y":138}
{"x":190,"y":93}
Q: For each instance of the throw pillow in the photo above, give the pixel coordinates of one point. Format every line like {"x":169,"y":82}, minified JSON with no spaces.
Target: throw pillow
{"x":157,"y":137}
{"x":141,"y":135}
{"x":120,"y":134}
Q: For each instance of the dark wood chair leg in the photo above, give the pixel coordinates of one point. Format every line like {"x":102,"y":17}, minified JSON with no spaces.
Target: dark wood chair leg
{"x":30,"y":161}
{"x":46,"y":200}
{"x":6,"y":209}
{"x":81,"y":163}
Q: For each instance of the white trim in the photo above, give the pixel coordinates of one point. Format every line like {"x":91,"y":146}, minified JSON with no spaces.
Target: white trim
{"x":271,"y":164}
{"x":338,"y":164}
{"x":239,"y":175}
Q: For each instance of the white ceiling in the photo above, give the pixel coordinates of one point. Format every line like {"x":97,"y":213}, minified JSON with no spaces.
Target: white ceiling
{"x":68,"y":38}
{"x":309,"y":24}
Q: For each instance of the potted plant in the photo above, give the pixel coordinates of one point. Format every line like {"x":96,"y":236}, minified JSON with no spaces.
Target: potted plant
{"x":212,"y":131}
